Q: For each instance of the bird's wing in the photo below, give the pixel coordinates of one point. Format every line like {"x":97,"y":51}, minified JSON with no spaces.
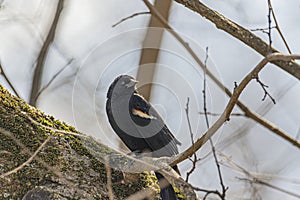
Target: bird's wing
{"x":152,"y":127}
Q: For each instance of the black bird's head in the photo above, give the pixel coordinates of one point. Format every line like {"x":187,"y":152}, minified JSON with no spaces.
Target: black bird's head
{"x":122,"y":85}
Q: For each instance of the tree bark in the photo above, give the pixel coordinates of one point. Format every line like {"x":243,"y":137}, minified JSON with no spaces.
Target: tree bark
{"x":43,"y":158}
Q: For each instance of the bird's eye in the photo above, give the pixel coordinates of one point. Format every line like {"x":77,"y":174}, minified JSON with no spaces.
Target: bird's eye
{"x":123,"y":83}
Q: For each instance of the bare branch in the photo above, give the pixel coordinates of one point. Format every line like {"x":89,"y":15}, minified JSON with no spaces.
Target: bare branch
{"x":27,"y":161}
{"x":278,"y":28}
{"x":230,"y":105}
{"x":195,"y":158}
{"x":263,"y":109}
{"x":254,"y":179}
{"x":253,"y":115}
{"x":218,"y":114}
{"x":264,"y":30}
{"x":108,"y":179}
{"x":131,"y":16}
{"x":204,"y":88}
{"x":151,"y":48}
{"x":264,"y":86}
{"x":257,"y":181}
{"x":52,"y":79}
{"x":224,"y":189}
{"x":269,"y":33}
{"x":8,"y":81}
{"x":240,"y":33}
{"x":208,"y":192}
{"x":36,"y":157}
{"x":38,"y":72}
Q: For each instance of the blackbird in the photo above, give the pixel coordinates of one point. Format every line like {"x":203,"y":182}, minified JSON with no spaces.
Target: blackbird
{"x":139,"y":125}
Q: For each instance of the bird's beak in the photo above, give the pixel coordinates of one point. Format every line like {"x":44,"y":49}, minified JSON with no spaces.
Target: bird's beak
{"x":131,"y":83}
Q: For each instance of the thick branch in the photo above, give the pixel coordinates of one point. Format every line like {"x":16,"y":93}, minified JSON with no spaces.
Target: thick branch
{"x":242,"y":106}
{"x":241,"y":34}
{"x":151,"y":48}
{"x":36,"y":165}
{"x":230,"y":105}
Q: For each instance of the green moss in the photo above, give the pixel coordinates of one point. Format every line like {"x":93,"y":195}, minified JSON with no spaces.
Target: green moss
{"x":150,"y":180}
{"x":50,"y":155}
{"x":77,"y":159}
{"x":179,"y":195}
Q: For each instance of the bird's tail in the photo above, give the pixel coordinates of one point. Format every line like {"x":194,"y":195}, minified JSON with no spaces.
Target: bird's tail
{"x":167,"y":191}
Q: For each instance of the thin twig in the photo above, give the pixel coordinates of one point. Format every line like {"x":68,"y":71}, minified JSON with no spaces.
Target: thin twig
{"x":278,"y":27}
{"x":266,"y":93}
{"x":241,"y":33}
{"x":263,"y":109}
{"x":224,"y":189}
{"x":52,"y":79}
{"x":269,"y":33}
{"x":264,"y":30}
{"x":264,"y":176}
{"x":8,"y":81}
{"x":54,"y":129}
{"x":108,"y":179}
{"x":255,"y":179}
{"x":204,"y":88}
{"x":251,"y":114}
{"x":131,"y":16}
{"x":43,"y":163}
{"x":208,"y":192}
{"x":230,"y":105}
{"x":195,"y":158}
{"x":218,"y":114}
{"x":27,"y":161}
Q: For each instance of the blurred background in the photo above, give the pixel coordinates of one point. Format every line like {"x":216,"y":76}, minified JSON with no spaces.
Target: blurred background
{"x":89,"y":49}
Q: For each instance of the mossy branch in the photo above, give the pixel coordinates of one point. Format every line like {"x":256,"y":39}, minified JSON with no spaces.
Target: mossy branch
{"x":41,"y":157}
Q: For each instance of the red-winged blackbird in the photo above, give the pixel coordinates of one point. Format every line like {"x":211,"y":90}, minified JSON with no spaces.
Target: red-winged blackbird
{"x":139,"y":125}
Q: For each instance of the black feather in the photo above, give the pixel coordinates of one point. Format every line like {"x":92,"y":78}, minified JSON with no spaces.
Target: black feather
{"x":139,"y":125}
